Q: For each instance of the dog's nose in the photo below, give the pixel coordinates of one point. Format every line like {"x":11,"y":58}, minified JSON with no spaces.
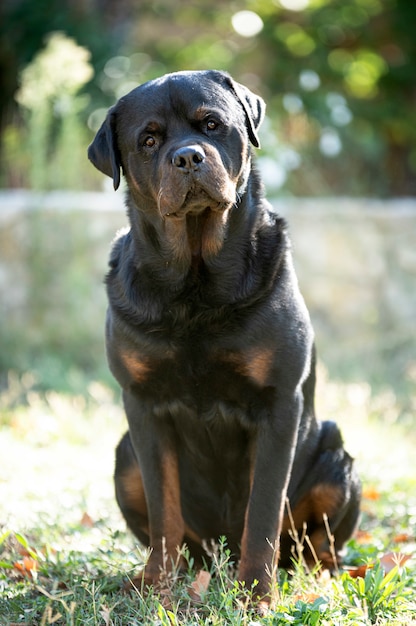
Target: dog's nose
{"x":188,"y":158}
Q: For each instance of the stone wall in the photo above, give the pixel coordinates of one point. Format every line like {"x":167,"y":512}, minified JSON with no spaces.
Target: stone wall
{"x":355,"y":259}
{"x":356,"y":262}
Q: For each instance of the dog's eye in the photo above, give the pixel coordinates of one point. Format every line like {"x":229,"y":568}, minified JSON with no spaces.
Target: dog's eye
{"x":212,"y":124}
{"x":149,"y":142}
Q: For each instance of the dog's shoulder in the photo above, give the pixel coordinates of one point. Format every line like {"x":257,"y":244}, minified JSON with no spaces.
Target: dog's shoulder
{"x":121,"y":275}
{"x":273,"y":232}
{"x":119,"y":245}
{"x":271,"y":249}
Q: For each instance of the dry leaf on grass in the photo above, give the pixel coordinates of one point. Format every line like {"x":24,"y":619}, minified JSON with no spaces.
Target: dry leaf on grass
{"x":393,"y":559}
{"x":363,"y":537}
{"x":308,"y":598}
{"x":26,"y":567}
{"x":371,"y":493}
{"x":403,"y":538}
{"x":106,"y":615}
{"x":165,"y":598}
{"x":359,"y":571}
{"x":200,"y":586}
{"x":388,"y":561}
{"x":87,"y":521}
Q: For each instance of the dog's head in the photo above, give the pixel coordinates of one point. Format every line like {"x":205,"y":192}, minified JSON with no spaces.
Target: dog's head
{"x":182,"y":142}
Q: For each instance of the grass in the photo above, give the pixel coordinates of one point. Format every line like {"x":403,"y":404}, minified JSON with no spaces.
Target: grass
{"x":65,"y":553}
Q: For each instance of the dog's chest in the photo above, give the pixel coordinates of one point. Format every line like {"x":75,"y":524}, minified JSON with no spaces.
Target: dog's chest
{"x":192,"y":366}
{"x":201,"y":369}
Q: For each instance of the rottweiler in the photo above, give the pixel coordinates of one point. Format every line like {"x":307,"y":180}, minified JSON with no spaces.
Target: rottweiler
{"x":211,"y":341}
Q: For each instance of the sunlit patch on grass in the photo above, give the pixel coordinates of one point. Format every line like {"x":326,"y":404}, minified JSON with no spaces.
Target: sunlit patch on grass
{"x":57,"y":455}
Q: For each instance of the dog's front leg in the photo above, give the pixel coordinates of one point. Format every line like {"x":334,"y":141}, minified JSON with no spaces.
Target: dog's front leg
{"x":154,"y":444}
{"x":271,"y":464}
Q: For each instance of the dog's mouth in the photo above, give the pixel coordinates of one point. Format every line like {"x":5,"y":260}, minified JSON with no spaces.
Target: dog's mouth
{"x":195,"y":202}
{"x":191,"y":193}
{"x":194,"y":207}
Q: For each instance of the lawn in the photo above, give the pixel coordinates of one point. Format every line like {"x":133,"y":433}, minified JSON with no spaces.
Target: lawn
{"x":65,"y":553}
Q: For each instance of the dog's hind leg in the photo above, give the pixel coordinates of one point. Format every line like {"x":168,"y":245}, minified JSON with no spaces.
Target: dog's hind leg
{"x":129,"y":490}
{"x":328,"y":502}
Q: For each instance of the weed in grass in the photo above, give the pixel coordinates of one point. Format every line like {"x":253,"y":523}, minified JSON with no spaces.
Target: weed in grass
{"x":86,"y":589}
{"x":378,"y":593}
{"x":80,"y":568}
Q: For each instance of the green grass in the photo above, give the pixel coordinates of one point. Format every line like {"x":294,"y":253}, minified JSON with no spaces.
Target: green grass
{"x":65,"y":553}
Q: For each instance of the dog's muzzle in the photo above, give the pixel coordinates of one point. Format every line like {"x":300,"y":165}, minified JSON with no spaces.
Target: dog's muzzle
{"x":194,"y":179}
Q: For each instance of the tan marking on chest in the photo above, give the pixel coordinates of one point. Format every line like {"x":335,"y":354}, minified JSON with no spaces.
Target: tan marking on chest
{"x":137,"y":367}
{"x":255,"y":363}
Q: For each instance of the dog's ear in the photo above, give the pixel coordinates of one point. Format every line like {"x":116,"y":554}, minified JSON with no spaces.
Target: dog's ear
{"x":254,"y":108}
{"x":103,"y":151}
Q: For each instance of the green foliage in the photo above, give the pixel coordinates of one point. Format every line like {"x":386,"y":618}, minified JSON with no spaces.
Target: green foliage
{"x":338,"y":77}
{"x":49,"y":95}
{"x":330,"y":74}
{"x":380,"y":594}
{"x":85,"y":588}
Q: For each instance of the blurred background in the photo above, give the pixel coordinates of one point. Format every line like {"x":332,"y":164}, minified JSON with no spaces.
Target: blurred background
{"x":338,"y":157}
{"x":338,"y":77}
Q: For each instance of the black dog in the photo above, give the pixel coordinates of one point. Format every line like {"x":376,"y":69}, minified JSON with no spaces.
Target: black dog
{"x":210,"y":339}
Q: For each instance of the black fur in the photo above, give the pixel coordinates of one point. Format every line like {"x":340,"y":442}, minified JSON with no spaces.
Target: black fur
{"x":210,"y":339}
